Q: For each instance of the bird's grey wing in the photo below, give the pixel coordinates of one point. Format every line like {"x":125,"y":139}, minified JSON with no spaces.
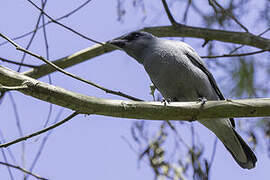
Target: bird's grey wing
{"x":201,"y":66}
{"x":198,"y":63}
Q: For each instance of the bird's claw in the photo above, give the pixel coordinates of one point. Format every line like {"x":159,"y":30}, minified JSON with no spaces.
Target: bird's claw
{"x":202,"y":100}
{"x":166,"y":101}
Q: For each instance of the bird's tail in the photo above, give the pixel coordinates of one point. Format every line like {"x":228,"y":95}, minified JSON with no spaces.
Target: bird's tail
{"x":239,"y":150}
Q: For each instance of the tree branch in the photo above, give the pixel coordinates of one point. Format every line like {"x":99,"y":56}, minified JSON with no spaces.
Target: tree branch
{"x":39,"y":132}
{"x":60,"y":24}
{"x":168,"y":12}
{"x":70,"y":60}
{"x":161,"y":31}
{"x":234,"y":55}
{"x":49,"y":22}
{"x":135,"y":110}
{"x":68,"y":73}
{"x":23,"y":170}
{"x":235,"y":37}
{"x":17,"y":63}
{"x":214,"y":2}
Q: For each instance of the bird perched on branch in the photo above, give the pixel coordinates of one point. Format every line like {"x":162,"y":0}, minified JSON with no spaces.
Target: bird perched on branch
{"x":179,"y":74}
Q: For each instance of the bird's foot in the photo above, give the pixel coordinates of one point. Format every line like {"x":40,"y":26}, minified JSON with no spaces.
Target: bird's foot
{"x":166,"y":101}
{"x":202,"y":100}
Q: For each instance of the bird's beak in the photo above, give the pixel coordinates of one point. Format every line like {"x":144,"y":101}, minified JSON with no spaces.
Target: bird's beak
{"x":120,"y":43}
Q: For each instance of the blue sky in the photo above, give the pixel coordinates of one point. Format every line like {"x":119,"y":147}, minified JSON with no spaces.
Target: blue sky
{"x":92,"y":146}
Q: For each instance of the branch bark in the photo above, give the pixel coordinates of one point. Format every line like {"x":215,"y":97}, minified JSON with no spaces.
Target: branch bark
{"x":235,"y":37}
{"x":132,"y":109}
{"x":161,"y":31}
{"x":71,"y":60}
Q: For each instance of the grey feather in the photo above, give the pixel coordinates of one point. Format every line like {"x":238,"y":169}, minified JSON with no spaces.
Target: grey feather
{"x":179,"y":74}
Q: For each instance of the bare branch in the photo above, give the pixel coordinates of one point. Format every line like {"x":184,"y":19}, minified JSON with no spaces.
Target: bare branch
{"x":214,"y":2}
{"x":237,"y":48}
{"x":68,"y":73}
{"x":39,"y":132}
{"x":71,"y":60}
{"x":10,"y":153}
{"x":186,"y":10}
{"x":44,"y":32}
{"x":161,"y":31}
{"x":17,"y":63}
{"x":66,"y":27}
{"x":33,"y":35}
{"x":136,"y":110}
{"x":213,"y":152}
{"x":265,"y":31}
{"x":43,"y":25}
{"x":234,"y":55}
{"x":43,"y":143}
{"x":6,"y":161}
{"x":23,"y":170}
{"x":168,"y":12}
{"x":210,"y":34}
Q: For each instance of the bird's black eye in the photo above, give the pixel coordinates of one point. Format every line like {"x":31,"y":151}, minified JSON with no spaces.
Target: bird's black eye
{"x":133,"y":36}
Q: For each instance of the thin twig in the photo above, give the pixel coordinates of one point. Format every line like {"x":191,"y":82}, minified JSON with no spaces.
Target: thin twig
{"x":17,"y":63}
{"x":50,"y":105}
{"x":43,"y":143}
{"x":69,"y":74}
{"x":47,"y":57}
{"x":6,"y":161}
{"x":32,"y":37}
{"x":11,"y":155}
{"x":168,"y":12}
{"x":236,"y":49}
{"x":265,"y":31}
{"x":66,"y":27}
{"x":39,"y":132}
{"x":212,"y":2}
{"x":19,"y":126}
{"x":57,"y":19}
{"x":186,"y":11}
{"x":239,"y":47}
{"x":23,"y":170}
{"x":44,"y":32}
{"x":234,"y":55}
{"x":213,"y":153}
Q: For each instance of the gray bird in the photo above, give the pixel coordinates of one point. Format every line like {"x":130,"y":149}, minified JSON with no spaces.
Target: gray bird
{"x":179,"y":74}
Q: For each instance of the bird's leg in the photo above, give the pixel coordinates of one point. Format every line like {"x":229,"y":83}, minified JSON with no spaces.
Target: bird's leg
{"x":152,"y":91}
{"x":202,"y":100}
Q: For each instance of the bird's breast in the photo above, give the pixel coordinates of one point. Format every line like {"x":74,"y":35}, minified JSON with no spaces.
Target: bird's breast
{"x":176,"y":78}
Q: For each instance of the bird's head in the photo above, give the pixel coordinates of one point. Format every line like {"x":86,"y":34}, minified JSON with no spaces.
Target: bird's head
{"x":134,"y":44}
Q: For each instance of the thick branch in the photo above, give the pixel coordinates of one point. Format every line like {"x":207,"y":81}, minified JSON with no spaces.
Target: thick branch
{"x":235,"y":37}
{"x":162,"y":31}
{"x":67,"y":73}
{"x":135,"y":110}
{"x":70,"y":60}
